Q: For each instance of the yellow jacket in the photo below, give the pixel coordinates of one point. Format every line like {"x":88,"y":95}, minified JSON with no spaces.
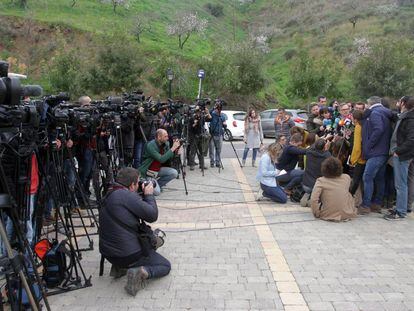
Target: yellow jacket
{"x":356,"y":155}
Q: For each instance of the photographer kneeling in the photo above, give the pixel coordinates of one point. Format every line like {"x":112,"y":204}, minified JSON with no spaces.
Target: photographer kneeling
{"x":119,"y":218}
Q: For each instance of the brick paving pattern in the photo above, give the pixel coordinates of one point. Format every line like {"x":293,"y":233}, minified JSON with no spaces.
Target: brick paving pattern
{"x":230,"y":253}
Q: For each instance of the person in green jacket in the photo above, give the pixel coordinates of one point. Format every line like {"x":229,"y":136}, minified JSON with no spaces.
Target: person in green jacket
{"x":156,"y":154}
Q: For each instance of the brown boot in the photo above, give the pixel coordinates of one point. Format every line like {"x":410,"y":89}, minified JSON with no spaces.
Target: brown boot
{"x":376,"y":208}
{"x":363,"y":210}
{"x":136,"y":280}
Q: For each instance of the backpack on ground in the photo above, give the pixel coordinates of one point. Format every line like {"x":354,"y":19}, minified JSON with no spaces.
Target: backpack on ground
{"x":297,"y":193}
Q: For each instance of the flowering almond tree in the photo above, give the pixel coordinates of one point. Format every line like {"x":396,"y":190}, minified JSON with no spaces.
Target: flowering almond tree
{"x":185,"y":25}
{"x":117,"y":3}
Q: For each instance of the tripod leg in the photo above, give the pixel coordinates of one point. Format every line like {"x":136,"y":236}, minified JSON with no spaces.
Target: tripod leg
{"x":183,"y":173}
{"x":9,"y":251}
{"x":235,"y":152}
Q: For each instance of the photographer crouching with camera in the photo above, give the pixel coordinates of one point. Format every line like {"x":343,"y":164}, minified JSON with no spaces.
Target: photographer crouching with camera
{"x":123,"y":235}
{"x":156,"y":155}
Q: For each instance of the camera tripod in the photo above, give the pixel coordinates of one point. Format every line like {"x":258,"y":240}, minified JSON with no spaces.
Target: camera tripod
{"x":20,"y":269}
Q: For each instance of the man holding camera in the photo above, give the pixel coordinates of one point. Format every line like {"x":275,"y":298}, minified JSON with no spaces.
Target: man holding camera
{"x":119,"y":218}
{"x":217,"y":126}
{"x":157,"y":153}
{"x":196,"y":131}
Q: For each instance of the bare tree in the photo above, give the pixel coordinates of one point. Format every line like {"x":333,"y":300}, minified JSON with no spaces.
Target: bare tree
{"x":186,"y":24}
{"x":353,"y":20}
{"x":141,"y":24}
{"x":117,"y":3}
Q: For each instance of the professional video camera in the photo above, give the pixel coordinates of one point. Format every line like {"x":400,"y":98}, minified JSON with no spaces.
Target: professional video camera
{"x":11,"y":90}
{"x":219,"y":103}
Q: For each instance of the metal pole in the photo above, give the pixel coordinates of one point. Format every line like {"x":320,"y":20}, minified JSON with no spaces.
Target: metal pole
{"x":169,"y":89}
{"x":199,"y":89}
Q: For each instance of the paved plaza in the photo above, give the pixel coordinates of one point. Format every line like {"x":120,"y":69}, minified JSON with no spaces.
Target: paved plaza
{"x":229,"y":252}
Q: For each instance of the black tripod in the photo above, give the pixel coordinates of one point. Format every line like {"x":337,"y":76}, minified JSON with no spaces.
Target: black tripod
{"x":20,"y":269}
{"x":59,"y":196}
{"x":234,"y":149}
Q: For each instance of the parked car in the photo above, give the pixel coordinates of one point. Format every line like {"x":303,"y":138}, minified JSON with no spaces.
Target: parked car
{"x":235,"y":124}
{"x":268,"y":120}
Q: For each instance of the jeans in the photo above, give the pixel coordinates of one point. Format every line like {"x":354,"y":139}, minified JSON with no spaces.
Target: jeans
{"x":276,"y":194}
{"x":410,"y":186}
{"x":85,"y":169}
{"x":156,"y":265}
{"x":196,"y":148}
{"x":69,"y":170}
{"x":165,"y":175}
{"x":292,"y":178}
{"x":307,"y":189}
{"x":138,"y":150}
{"x":246,"y":152}
{"x":101,"y":181}
{"x":30,"y":226}
{"x":215,"y":149}
{"x":358,"y":172}
{"x":401,"y":180}
{"x":374,"y":171}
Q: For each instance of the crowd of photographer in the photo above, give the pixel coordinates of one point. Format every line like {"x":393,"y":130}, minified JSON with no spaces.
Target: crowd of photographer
{"x":60,"y":159}
{"x":345,"y":147}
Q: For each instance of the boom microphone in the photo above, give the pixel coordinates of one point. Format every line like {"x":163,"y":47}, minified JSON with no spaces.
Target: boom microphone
{"x":32,"y":90}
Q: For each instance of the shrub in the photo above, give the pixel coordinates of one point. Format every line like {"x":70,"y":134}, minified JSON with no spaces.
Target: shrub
{"x":388,"y":70}
{"x":289,"y":54}
{"x":216,"y":10}
{"x":312,"y":76}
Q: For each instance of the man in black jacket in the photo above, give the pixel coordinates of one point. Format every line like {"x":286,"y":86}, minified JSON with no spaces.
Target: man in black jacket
{"x":122,"y":211}
{"x":288,"y":161}
{"x":402,"y":150}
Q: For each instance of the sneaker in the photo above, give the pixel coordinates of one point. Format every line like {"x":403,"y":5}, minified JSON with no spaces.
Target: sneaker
{"x":218,"y":165}
{"x":304,"y":200}
{"x":203,"y":168}
{"x":79,"y":212}
{"x":136,"y":280}
{"x":394,"y":216}
{"x":191,"y":167}
{"x":211,"y":164}
{"x":376,"y":208}
{"x":363,"y":210}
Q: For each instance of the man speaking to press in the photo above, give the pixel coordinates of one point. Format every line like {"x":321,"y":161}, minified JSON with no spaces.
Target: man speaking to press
{"x":119,"y":236}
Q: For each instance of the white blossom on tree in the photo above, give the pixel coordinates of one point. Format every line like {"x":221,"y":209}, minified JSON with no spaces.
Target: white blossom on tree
{"x":186,"y":24}
{"x":117,"y":3}
{"x":261,"y":36}
{"x":387,"y":9}
{"x":362,"y":48}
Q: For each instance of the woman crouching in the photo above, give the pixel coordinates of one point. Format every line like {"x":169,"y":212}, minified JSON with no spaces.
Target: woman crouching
{"x":330,"y":199}
{"x":267,"y":173}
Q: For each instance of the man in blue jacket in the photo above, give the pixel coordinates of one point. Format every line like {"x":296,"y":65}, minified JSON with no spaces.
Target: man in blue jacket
{"x":217,"y":126}
{"x":119,"y":218}
{"x":376,"y":134}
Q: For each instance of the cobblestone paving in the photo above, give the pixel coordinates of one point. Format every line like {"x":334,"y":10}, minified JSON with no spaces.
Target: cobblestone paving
{"x":220,"y":261}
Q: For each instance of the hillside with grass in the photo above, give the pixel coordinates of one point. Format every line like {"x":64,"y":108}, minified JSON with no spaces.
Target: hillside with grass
{"x":261,"y":52}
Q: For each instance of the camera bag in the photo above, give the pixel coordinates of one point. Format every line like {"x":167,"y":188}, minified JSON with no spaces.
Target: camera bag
{"x":55,"y":264}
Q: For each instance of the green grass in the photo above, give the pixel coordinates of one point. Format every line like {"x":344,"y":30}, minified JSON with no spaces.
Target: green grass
{"x":91,"y":16}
